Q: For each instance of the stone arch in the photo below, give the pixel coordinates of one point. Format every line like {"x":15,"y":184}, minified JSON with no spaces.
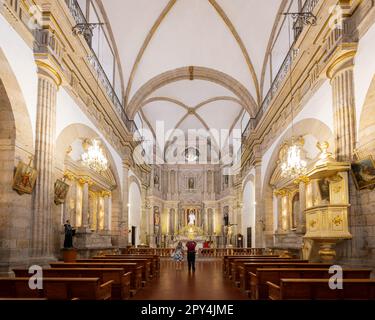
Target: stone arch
{"x":67,"y":136}
{"x":248,"y":208}
{"x":16,"y":143}
{"x":187,"y":73}
{"x":135,"y":207}
{"x":310,"y":126}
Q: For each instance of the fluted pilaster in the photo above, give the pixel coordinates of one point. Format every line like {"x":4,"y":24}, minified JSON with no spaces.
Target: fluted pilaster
{"x":41,"y":236}
{"x":342,"y":81}
{"x":124,"y":221}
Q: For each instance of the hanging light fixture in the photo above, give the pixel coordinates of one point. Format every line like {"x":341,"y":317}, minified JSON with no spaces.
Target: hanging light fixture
{"x":293,"y":165}
{"x":94,"y":157}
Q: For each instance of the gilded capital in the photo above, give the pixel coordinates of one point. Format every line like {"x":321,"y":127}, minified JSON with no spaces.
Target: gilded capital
{"x":342,"y":62}
{"x":47,"y":70}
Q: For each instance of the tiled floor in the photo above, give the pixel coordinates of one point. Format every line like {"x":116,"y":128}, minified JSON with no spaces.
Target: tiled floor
{"x":207,"y":283}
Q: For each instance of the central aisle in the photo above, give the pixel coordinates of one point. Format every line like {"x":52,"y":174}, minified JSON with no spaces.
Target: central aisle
{"x":207,"y":283}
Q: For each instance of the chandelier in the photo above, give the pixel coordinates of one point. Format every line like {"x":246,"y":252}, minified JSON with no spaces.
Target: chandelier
{"x":94,"y":157}
{"x":293,"y":165}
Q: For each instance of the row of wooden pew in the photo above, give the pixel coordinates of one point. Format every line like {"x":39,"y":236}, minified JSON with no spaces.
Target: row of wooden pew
{"x":116,"y":277}
{"x":272,"y":277}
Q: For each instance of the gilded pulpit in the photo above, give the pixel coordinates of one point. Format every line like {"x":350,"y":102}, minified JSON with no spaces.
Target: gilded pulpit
{"x":327,"y":203}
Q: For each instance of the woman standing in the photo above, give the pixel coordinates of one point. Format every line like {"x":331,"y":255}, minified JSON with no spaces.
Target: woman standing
{"x":178,"y":256}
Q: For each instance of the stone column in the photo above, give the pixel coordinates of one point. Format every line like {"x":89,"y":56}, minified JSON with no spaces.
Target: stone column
{"x":107,"y":209}
{"x":279,"y":215}
{"x":124,"y":221}
{"x":342,"y":82}
{"x":45,"y":135}
{"x":260,"y":220}
{"x":143,"y":227}
{"x":301,"y":222}
{"x":85,"y":203}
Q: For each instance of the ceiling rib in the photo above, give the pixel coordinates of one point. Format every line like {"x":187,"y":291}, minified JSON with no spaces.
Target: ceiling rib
{"x":240,"y":43}
{"x":145,"y":44}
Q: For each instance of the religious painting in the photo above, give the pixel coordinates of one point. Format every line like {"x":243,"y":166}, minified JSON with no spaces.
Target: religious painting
{"x":24,"y":178}
{"x":61,"y":191}
{"x":364,"y":173}
{"x":323,"y":185}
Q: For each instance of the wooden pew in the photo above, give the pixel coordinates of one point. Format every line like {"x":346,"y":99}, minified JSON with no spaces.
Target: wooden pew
{"x":253,"y":266}
{"x":145,"y":263}
{"x":57,"y":289}
{"x":154,"y":267}
{"x":318,"y":289}
{"x":121,"y":280}
{"x":237,"y":270}
{"x":134,"y":268}
{"x":227,"y":258}
{"x":258,"y":281}
{"x":155,"y":259}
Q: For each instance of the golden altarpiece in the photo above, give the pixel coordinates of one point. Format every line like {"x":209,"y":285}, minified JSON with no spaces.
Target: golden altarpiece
{"x":314,"y":207}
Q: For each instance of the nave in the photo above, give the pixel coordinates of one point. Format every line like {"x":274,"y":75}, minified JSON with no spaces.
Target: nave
{"x":206,"y":283}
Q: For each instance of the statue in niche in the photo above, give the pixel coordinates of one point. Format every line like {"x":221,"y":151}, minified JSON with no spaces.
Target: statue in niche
{"x":192,"y":218}
{"x":156,"y":181}
{"x":191,"y":183}
{"x":226,"y":216}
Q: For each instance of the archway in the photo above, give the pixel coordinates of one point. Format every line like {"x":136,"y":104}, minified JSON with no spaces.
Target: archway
{"x":312,"y":130}
{"x":192,"y":73}
{"x":16,"y":143}
{"x":248,"y":213}
{"x":135,"y":203}
{"x":71,"y":140}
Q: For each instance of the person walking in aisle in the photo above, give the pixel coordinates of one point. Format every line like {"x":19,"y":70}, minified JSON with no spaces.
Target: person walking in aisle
{"x":178,"y":256}
{"x":191,"y":245}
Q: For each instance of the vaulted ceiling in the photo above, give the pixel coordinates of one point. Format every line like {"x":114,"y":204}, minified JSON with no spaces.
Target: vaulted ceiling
{"x":158,"y":36}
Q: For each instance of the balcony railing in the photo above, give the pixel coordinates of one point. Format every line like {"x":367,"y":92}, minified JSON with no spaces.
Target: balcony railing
{"x":102,"y":77}
{"x":308,"y":6}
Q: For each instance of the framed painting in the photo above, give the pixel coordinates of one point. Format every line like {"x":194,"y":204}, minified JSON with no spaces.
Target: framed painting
{"x":364,"y":173}
{"x":24,"y":178}
{"x":61,"y":191}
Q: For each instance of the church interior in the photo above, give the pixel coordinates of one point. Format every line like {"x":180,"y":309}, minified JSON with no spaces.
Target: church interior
{"x":130,"y":129}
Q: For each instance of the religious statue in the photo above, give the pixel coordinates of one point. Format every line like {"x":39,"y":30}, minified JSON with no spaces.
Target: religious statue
{"x":69,"y":233}
{"x":156,"y":180}
{"x":191,"y":218}
{"x":226,"y":216}
{"x":191,"y":183}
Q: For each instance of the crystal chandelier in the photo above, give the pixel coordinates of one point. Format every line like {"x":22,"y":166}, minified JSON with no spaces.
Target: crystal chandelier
{"x":94,"y":158}
{"x":293,"y":165}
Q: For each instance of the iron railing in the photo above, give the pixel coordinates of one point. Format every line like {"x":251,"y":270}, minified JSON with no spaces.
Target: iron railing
{"x":102,"y":77}
{"x":308,"y":6}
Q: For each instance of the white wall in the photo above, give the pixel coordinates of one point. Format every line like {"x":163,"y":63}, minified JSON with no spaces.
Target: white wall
{"x":134,"y":209}
{"x":68,"y":113}
{"x":318,"y":107}
{"x":22,"y":62}
{"x":364,"y":70}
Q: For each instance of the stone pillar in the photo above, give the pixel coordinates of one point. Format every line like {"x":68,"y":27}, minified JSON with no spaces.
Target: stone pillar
{"x":85,"y":202}
{"x":301,"y":222}
{"x":41,"y":224}
{"x":98,"y":212}
{"x":259,"y":214}
{"x":279,"y":214}
{"x":143,"y":227}
{"x":107,"y":209}
{"x":342,"y":82}
{"x":124,"y":221}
